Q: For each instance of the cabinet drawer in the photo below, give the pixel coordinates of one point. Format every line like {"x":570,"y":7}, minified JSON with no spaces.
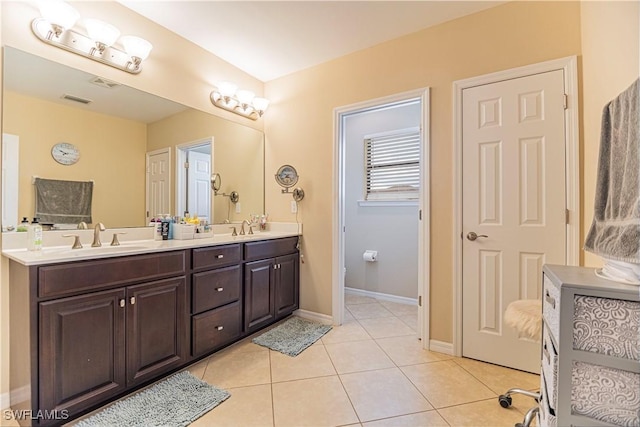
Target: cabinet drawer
{"x":613,"y":338}
{"x":65,"y":279}
{"x":606,"y":394}
{"x":551,"y":306}
{"x":270,"y":248}
{"x":215,"y":328}
{"x":550,"y":368}
{"x":215,"y":288}
{"x":216,"y":256}
{"x":546,"y":415}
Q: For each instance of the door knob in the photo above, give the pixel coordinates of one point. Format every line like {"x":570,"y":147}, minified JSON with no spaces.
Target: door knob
{"x":473,"y":236}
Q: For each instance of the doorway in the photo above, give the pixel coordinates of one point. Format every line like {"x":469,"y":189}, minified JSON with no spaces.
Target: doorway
{"x":354,"y":214}
{"x":158,"y":167}
{"x":193,"y":189}
{"x":516,"y":139}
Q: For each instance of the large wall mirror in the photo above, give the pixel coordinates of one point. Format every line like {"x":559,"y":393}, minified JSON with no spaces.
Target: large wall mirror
{"x":133,"y":146}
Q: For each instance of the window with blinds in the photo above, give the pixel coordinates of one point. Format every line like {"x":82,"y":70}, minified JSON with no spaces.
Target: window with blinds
{"x":393,"y":165}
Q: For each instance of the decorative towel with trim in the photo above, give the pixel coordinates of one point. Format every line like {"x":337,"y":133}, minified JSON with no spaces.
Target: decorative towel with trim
{"x":63,"y":202}
{"x":615,"y":231}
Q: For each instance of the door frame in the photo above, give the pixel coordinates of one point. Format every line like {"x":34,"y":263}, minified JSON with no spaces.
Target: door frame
{"x":569,"y":65}
{"x":147,"y":171}
{"x":181,"y":157}
{"x":338,"y":244}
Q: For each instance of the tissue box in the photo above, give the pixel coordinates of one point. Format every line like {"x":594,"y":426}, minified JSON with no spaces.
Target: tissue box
{"x":183,"y":231}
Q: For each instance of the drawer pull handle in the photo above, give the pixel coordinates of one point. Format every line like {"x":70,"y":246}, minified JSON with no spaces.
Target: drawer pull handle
{"x":550,"y":299}
{"x":133,"y":300}
{"x":546,"y":354}
{"x":219,"y":328}
{"x":122,"y":303}
{"x":220,"y":256}
{"x":219,"y":289}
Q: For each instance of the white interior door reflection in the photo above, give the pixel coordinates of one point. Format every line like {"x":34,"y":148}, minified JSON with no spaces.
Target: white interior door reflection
{"x":193,"y":192}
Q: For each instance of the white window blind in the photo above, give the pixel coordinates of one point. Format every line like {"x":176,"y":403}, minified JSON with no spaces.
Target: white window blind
{"x":393,"y":166}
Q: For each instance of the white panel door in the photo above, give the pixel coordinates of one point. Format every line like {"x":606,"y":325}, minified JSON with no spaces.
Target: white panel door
{"x":514,"y":194}
{"x":10,"y":179}
{"x":158,"y":183}
{"x":199,"y":185}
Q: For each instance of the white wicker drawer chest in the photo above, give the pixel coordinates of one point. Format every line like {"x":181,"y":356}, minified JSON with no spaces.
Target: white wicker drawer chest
{"x":590,"y":350}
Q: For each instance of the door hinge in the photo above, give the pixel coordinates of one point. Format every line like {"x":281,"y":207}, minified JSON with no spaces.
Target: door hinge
{"x":419,"y":300}
{"x":186,"y":165}
{"x":420,"y":215}
{"x":565,"y":101}
{"x":567,"y":215}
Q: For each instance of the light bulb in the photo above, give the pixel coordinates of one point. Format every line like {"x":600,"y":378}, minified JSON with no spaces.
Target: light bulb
{"x":136,"y":47}
{"x":101,"y":32}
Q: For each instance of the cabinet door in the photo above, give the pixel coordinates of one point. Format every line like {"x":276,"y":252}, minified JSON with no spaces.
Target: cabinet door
{"x":287,"y":285}
{"x":259,"y":298}
{"x":81,"y":350}
{"x":156,"y":328}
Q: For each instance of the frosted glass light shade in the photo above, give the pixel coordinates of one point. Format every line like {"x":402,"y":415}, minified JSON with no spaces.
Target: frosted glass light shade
{"x":136,"y":47}
{"x":101,"y":32}
{"x":245,"y":96}
{"x":227,"y":89}
{"x":59,"y":13}
{"x":260,"y":104}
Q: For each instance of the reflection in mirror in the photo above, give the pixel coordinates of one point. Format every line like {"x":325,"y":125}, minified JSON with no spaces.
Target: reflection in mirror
{"x":116,"y":129}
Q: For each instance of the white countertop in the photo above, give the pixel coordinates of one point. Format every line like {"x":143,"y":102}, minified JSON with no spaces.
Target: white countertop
{"x":58,"y":253}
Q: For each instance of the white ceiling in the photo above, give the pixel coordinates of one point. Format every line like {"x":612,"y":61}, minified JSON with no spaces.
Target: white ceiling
{"x":270,"y":39}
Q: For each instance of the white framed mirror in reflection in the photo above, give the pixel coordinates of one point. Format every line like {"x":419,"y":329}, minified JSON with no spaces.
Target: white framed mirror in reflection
{"x":116,"y":130}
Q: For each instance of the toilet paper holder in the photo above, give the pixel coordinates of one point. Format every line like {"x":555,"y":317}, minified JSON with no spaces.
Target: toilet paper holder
{"x":370,"y":256}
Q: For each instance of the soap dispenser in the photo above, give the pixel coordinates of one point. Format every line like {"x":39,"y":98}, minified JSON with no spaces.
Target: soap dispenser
{"x":34,"y":236}
{"x":24,"y":225}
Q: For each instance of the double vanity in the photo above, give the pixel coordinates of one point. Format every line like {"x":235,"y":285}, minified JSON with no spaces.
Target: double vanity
{"x":91,"y":324}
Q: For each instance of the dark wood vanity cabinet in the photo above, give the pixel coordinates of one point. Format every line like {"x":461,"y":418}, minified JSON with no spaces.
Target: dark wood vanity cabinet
{"x":270,"y":285}
{"x":102,"y":337}
{"x":86,"y":332}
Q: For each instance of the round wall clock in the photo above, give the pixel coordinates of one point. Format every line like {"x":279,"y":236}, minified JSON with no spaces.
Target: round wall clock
{"x":65,"y":153}
{"x":287,"y":176}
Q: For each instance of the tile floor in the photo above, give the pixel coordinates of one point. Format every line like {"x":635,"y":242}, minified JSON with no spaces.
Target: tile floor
{"x":369,"y":372}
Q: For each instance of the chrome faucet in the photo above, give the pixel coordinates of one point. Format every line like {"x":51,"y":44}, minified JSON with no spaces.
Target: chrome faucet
{"x":242,"y":227}
{"x":96,"y":235}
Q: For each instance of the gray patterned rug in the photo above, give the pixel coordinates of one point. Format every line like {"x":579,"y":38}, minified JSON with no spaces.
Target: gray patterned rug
{"x":292,"y":336}
{"x":177,"y":401}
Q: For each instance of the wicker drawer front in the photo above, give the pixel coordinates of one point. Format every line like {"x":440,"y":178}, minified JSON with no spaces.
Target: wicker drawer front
{"x":215,"y":288}
{"x":620,"y":337}
{"x":551,"y":306}
{"x":216,"y":256}
{"x":215,"y":328}
{"x":605,"y":394}
{"x":550,"y":368}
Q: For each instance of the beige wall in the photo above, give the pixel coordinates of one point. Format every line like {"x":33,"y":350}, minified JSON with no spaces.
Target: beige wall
{"x":112,"y":152}
{"x":507,"y":36}
{"x":238,"y":153}
{"x":610,"y":63}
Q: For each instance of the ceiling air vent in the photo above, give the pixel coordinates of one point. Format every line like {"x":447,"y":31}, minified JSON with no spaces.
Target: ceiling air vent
{"x":76,"y":99}
{"x":104,"y":82}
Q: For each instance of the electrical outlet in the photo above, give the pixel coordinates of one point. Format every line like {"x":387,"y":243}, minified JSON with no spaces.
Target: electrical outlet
{"x":294,"y":206}
{"x":238,"y":207}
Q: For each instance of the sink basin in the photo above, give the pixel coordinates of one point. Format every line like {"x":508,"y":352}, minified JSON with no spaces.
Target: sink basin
{"x":88,"y":250}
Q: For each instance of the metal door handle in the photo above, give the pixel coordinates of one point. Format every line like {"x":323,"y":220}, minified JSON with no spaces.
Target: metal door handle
{"x":473,"y":236}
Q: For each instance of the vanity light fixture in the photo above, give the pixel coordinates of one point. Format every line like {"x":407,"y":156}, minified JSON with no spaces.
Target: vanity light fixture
{"x":56,"y":27}
{"x":243,"y":102}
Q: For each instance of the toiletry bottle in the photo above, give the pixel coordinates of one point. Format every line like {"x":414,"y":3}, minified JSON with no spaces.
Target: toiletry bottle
{"x":34,"y":236}
{"x":24,"y":225}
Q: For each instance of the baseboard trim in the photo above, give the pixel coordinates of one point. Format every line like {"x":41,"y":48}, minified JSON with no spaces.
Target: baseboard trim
{"x":441,"y":347}
{"x":5,"y":401}
{"x":381,"y":296}
{"x":316,"y":317}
